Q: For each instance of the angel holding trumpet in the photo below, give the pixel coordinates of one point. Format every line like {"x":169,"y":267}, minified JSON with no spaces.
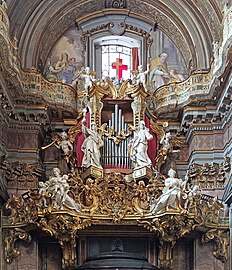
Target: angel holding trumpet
{"x":61,"y":141}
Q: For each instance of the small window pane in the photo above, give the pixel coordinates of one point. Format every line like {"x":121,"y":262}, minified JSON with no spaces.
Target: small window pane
{"x":110,"y":53}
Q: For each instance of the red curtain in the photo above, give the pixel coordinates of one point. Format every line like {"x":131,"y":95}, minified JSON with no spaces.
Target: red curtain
{"x":79,"y":141}
{"x":135,"y":58}
{"x":152,"y":144}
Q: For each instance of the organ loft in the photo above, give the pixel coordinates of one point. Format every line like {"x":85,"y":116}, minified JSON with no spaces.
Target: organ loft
{"x":115,"y":135}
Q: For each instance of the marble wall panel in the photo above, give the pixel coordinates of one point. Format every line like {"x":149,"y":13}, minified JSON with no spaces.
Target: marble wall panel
{"x":204,"y":259}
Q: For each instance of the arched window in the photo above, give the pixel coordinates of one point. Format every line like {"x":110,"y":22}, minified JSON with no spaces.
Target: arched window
{"x":114,"y":56}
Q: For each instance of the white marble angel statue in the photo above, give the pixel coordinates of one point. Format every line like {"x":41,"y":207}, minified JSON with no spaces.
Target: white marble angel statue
{"x":138,"y":146}
{"x":58,"y":187}
{"x":66,"y":161}
{"x":91,"y":146}
{"x":171,"y":194}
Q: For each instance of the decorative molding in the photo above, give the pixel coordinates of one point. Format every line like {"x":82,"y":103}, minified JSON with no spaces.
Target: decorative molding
{"x":211,"y":176}
{"x":208,"y":117}
{"x":211,"y":18}
{"x":21,"y":175}
{"x":115,"y":3}
{"x":165,"y":24}
{"x":11,"y":236}
{"x":109,"y":27}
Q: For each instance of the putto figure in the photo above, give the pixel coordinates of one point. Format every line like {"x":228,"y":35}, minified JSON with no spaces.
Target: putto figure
{"x":89,"y":78}
{"x":65,"y":145}
{"x":58,"y":187}
{"x":138,"y":146}
{"x":141,"y":77}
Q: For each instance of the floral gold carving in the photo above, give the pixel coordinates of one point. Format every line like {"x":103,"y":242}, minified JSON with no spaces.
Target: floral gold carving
{"x":64,"y":230}
{"x":12,"y":236}
{"x":116,"y":138}
{"x":118,"y":199}
{"x":221,"y":240}
{"x":169,"y":228}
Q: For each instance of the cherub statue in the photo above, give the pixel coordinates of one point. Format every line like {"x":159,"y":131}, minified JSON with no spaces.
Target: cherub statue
{"x":65,"y":145}
{"x":175,"y":76}
{"x":190,"y":195}
{"x":167,"y":143}
{"x":42,"y":193}
{"x":89,"y":78}
{"x":141,"y":77}
{"x":58,"y":187}
{"x":138,"y":146}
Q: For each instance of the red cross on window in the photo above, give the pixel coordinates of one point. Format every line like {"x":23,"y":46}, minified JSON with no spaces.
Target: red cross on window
{"x":119,"y":67}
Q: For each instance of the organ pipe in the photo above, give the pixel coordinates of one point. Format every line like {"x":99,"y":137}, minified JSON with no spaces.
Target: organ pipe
{"x":116,"y":155}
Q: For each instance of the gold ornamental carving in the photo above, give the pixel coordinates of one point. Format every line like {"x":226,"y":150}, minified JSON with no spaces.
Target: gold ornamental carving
{"x":116,"y":137}
{"x":13,"y":235}
{"x":170,"y":227}
{"x":118,"y":199}
{"x":166,"y":255}
{"x":209,"y":175}
{"x":64,"y":230}
{"x":115,"y":196}
{"x":220,"y":238}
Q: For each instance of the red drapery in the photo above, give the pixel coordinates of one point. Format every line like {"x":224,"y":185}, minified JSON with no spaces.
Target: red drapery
{"x":152,"y":144}
{"x":79,"y":141}
{"x":135,"y":58}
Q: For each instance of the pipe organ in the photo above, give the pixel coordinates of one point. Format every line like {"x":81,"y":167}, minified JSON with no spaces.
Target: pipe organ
{"x":115,"y":154}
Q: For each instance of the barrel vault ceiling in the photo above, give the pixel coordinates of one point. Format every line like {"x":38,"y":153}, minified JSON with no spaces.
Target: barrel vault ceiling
{"x":193,"y":25}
